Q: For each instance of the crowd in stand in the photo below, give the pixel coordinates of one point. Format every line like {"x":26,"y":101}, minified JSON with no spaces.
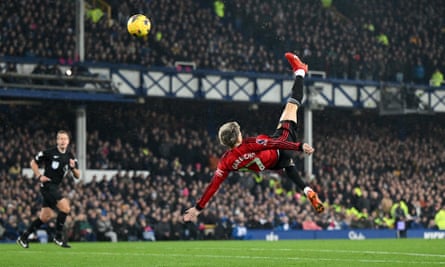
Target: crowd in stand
{"x":371,"y":171}
{"x":374,"y":40}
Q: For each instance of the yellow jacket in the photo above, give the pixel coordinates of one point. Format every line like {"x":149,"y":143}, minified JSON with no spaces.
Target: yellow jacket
{"x":439,"y":219}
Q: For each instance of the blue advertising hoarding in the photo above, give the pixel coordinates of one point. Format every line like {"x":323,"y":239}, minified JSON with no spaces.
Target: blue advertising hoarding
{"x":355,"y":234}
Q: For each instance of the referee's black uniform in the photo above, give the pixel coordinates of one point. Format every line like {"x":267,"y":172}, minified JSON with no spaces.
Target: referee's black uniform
{"x":56,"y":168}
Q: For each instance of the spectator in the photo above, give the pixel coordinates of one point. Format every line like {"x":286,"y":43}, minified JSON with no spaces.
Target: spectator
{"x":105,"y":231}
{"x":134,"y":230}
{"x":437,"y":78}
{"x":177,"y":227}
{"x":310,"y":224}
{"x":147,"y":232}
{"x":439,"y":218}
{"x":11,"y":228}
{"x":240,"y":231}
{"x":83,"y":231}
{"x":163,"y":229}
{"x":283,"y":224}
{"x":122,"y":229}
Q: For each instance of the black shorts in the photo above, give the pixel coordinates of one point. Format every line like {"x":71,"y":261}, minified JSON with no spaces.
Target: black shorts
{"x":51,"y":195}
{"x":287,"y":131}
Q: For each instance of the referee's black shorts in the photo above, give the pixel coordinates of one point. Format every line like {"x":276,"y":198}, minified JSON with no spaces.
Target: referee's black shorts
{"x":288,"y":132}
{"x":51,"y":195}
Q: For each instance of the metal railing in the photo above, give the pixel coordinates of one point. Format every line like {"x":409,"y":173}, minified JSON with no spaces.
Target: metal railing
{"x":136,"y":82}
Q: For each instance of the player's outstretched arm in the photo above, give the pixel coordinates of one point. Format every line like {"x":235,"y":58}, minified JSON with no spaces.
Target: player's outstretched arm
{"x":191,"y":214}
{"x":263,"y":142}
{"x":219,"y":177}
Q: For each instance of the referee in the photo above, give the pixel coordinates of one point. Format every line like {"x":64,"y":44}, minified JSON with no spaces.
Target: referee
{"x":58,"y":162}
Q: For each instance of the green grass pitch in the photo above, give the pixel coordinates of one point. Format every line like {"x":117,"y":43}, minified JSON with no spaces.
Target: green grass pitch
{"x":376,"y":252}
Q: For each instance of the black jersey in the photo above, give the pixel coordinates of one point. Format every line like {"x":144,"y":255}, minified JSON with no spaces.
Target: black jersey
{"x":56,"y":164}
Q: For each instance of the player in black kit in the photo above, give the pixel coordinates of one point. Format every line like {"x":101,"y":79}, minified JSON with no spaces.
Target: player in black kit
{"x":58,"y":162}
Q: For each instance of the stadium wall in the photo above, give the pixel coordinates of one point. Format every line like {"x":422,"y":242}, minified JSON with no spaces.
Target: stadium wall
{"x":99,"y":175}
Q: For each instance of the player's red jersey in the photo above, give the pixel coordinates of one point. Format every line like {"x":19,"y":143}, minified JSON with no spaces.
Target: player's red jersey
{"x":254,"y":154}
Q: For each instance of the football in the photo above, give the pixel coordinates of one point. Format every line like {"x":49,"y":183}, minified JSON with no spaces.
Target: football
{"x":139,"y":25}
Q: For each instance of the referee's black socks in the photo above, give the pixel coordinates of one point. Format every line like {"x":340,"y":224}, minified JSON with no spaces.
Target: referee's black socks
{"x":61,"y":217}
{"x":32,"y":228}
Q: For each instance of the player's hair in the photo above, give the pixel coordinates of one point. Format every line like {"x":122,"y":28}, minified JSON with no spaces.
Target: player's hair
{"x":228,"y":133}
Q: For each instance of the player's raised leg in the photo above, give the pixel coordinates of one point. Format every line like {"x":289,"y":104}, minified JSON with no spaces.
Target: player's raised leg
{"x":290,"y":113}
{"x":299,"y":69}
{"x":292,"y":173}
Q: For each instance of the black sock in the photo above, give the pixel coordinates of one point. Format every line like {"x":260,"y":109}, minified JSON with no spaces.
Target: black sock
{"x":297,"y":89}
{"x":61,"y":217}
{"x":32,"y":228}
{"x":292,"y":173}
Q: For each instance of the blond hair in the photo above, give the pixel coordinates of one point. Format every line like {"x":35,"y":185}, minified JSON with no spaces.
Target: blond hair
{"x":63,"y":132}
{"x":228,"y":133}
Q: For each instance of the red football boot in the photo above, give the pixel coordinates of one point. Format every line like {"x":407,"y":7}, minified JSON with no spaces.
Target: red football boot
{"x":295,"y":62}
{"x":315,"y":201}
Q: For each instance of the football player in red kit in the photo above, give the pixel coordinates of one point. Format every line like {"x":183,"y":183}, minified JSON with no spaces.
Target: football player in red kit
{"x":263,"y":152}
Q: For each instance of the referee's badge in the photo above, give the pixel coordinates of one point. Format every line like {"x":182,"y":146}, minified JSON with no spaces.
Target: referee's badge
{"x":55,"y":164}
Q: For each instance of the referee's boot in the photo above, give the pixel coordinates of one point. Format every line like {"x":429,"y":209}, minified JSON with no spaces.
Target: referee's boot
{"x":61,"y":243}
{"x":23,"y":242}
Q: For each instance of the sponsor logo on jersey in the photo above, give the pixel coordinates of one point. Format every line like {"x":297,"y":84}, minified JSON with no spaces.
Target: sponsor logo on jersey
{"x":261,"y":141}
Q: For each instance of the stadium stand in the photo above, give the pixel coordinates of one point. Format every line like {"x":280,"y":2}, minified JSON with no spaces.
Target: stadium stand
{"x":401,"y":168}
{"x":342,"y":40}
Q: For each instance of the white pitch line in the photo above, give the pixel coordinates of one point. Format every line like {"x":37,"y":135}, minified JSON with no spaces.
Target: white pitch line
{"x":332,"y":250}
{"x":376,"y":252}
{"x":407,"y":262}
